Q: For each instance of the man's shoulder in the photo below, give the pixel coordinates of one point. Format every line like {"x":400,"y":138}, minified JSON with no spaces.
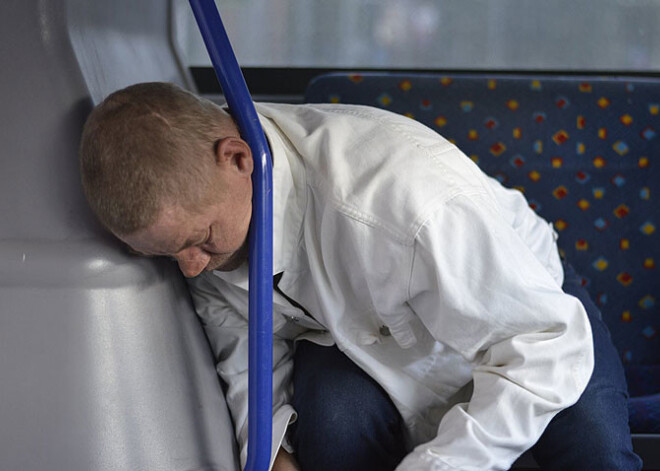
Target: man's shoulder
{"x":371,"y":164}
{"x":350,"y":127}
{"x":328,"y":112}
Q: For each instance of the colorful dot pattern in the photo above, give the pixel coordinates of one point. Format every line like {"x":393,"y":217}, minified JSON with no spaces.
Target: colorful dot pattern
{"x":584,"y":150}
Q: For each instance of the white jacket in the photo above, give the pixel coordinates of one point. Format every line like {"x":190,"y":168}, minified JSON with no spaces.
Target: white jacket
{"x":438,"y":282}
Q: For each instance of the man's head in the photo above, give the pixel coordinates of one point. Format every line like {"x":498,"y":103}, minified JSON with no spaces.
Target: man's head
{"x":167,"y":173}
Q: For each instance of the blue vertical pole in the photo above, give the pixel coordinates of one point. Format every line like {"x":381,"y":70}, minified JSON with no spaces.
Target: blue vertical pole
{"x":261,"y":234}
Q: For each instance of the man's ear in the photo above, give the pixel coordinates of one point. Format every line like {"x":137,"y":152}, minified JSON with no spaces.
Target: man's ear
{"x":235,"y":153}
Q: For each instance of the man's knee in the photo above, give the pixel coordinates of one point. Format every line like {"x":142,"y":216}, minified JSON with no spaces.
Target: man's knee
{"x":592,"y":434}
{"x":345,"y":419}
{"x":347,"y":408}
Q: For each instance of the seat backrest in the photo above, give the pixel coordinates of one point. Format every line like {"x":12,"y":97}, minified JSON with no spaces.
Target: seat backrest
{"x":584,"y":151}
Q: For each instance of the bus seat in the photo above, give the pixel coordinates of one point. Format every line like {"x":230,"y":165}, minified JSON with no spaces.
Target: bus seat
{"x":104,"y":365}
{"x":585,"y":152}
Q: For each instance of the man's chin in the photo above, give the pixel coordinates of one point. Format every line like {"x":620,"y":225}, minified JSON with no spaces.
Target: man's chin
{"x":229,"y":264}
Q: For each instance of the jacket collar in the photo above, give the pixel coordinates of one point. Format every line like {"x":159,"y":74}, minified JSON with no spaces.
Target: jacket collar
{"x":288,"y":204}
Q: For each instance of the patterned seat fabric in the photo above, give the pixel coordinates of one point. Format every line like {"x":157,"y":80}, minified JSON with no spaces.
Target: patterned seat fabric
{"x":585,"y":152}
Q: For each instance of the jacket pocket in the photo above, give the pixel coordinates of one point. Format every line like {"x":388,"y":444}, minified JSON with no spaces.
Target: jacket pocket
{"x":398,"y":325}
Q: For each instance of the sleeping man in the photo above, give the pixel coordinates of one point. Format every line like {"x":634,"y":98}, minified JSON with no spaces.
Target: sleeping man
{"x":423,"y":319}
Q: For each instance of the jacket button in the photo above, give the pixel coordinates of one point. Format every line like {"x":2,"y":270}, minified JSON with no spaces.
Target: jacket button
{"x":385,"y":331}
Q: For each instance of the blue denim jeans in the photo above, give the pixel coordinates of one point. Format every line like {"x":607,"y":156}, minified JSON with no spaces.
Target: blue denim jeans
{"x":346,"y":421}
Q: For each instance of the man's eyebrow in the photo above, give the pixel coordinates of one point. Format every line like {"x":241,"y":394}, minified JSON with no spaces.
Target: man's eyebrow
{"x":185,"y":245}
{"x":192,"y":240}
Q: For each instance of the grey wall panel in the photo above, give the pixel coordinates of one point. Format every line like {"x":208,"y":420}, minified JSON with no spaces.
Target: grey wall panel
{"x":121,"y":42}
{"x":103,"y":364}
{"x":42,"y":107}
{"x":97,"y":378}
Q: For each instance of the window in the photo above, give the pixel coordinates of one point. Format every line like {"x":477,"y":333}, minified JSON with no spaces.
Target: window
{"x":556,"y":35}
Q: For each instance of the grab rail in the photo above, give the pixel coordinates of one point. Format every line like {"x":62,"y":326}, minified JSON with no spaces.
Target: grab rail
{"x":261,"y":234}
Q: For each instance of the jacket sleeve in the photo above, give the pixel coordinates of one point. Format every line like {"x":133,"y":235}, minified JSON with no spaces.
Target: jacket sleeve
{"x":480,"y":291}
{"x":227,"y":332}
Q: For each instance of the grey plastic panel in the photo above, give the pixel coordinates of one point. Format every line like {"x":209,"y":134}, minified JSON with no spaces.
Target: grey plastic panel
{"x":121,"y":42}
{"x":98,"y":376}
{"x":103,"y":364}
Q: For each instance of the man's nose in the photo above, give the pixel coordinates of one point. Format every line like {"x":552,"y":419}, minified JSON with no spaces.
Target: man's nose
{"x":192,"y":261}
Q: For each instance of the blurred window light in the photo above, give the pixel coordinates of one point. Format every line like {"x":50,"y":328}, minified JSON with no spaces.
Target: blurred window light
{"x":434,"y":34}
